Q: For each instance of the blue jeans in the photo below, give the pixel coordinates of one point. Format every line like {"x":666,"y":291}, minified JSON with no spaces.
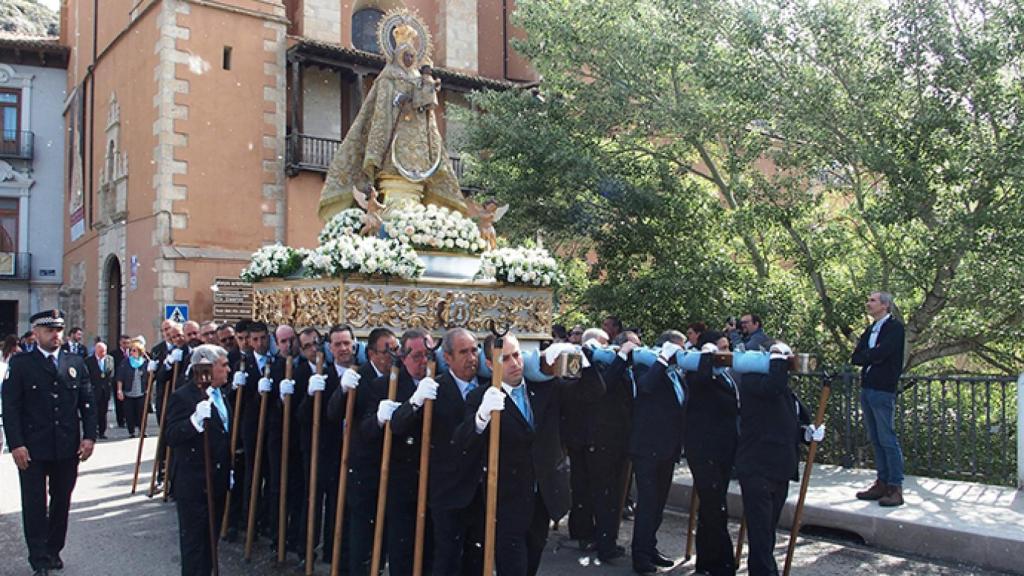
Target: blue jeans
{"x":879,"y":407}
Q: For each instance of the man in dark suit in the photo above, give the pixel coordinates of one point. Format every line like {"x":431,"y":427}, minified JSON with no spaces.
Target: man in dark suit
{"x":101,"y":372}
{"x":879,"y":353}
{"x":455,"y":494}
{"x":596,"y":434}
{"x":712,"y":429}
{"x":74,"y":345}
{"x":414,"y":388}
{"x":772,"y":425}
{"x":341,"y":341}
{"x":655,"y":445}
{"x":533,"y":480}
{"x":50,"y":424}
{"x":119,"y":355}
{"x":262,"y":372}
{"x":365,"y":451}
{"x":197,"y":409}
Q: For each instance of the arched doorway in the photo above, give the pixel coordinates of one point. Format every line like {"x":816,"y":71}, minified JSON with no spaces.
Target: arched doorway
{"x":114,"y":287}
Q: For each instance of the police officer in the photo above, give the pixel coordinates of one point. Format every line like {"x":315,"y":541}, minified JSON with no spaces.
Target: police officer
{"x":50,"y":422}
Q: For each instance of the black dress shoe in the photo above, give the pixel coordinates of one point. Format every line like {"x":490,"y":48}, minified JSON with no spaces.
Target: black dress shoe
{"x":662,"y":561}
{"x":644,"y":567}
{"x":609,"y":558}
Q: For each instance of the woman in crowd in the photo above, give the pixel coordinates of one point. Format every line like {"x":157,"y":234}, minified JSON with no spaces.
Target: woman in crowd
{"x":131,"y":387}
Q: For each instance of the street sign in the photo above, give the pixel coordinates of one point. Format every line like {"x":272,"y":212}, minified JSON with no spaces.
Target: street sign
{"x":176,"y":312}
{"x":232,"y":299}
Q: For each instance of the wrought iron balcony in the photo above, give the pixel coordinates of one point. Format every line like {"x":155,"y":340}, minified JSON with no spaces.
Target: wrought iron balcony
{"x":15,"y":265}
{"x":15,"y":144}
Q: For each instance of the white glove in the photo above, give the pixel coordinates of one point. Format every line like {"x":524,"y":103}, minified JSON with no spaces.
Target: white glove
{"x":239,"y":380}
{"x":199,"y":417}
{"x":494,"y":399}
{"x":427,"y":390}
{"x":625,"y":349}
{"x":552,"y":352}
{"x":814,"y":433}
{"x":317,"y":383}
{"x":780,"y":351}
{"x":173,"y":357}
{"x":385,"y":410}
{"x":153,"y":365}
{"x":709,"y":347}
{"x":264,"y":385}
{"x":350,"y":379}
{"x":668,"y":351}
{"x":287,"y":388}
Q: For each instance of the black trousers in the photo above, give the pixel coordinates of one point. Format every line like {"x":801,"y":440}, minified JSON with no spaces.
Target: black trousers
{"x":194,"y":534}
{"x":459,"y":538}
{"x":46,"y":527}
{"x":596,"y":476}
{"x":134,"y":412}
{"x":714,"y":544}
{"x":653,"y":481}
{"x":518,"y":553}
{"x":119,"y":412}
{"x":400,"y":524}
{"x":326,"y":506}
{"x":361,"y":502}
{"x":102,"y":399}
{"x":763,"y":500}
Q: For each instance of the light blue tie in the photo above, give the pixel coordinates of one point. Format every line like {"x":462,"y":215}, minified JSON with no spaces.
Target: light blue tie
{"x":470,"y":386}
{"x":218,"y":401}
{"x":519,"y":396}
{"x":261,"y":361}
{"x":676,"y":385}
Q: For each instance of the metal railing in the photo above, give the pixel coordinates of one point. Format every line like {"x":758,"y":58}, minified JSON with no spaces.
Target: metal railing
{"x":311,"y":153}
{"x":15,"y":144}
{"x":954,"y":427}
{"x":314,"y":153}
{"x":15,"y":265}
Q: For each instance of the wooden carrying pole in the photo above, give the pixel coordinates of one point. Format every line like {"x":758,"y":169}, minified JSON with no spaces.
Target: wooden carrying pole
{"x":739,"y":540}
{"x":142,"y":430}
{"x":421,"y":493}
{"x":254,"y":491}
{"x":339,"y":511}
{"x":282,"y":503}
{"x":819,"y":419}
{"x":203,"y":379}
{"x":167,"y":450}
{"x":236,"y":419}
{"x":385,"y":471}
{"x":491,"y":525}
{"x":160,"y":436}
{"x":314,"y":452}
{"x":691,"y":526}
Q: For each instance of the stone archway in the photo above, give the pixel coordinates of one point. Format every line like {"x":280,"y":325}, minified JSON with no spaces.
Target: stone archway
{"x":114,"y":288}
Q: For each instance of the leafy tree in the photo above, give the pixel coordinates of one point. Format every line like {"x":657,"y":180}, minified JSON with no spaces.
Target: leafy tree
{"x":783,"y":156}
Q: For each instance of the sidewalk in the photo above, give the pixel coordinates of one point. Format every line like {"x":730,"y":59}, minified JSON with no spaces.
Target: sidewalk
{"x":942,"y":519}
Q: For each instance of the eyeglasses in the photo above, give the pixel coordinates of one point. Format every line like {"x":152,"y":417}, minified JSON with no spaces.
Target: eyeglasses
{"x":309,"y":345}
{"x":227,"y":339}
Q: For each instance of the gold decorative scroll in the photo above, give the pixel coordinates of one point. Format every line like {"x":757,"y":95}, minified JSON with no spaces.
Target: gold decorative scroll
{"x":365,"y":305}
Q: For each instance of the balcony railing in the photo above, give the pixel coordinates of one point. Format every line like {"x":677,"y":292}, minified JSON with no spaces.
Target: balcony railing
{"x":15,"y":265}
{"x":15,"y":144}
{"x":314,"y":153}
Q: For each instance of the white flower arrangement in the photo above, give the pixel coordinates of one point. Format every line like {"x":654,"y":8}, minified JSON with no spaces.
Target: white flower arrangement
{"x":363,"y":255}
{"x":521,"y":265}
{"x":348,"y":222}
{"x":274,"y":261}
{"x":434,"y":228}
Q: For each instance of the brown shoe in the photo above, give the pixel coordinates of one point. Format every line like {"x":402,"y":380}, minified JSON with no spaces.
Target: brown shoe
{"x":894,"y":497}
{"x":877,"y":491}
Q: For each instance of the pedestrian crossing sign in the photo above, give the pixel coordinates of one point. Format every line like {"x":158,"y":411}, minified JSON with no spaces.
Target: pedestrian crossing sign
{"x":176,"y":312}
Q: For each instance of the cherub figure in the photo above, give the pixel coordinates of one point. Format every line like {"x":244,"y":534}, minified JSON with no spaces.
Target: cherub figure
{"x":368,"y":201}
{"x":487,"y":215}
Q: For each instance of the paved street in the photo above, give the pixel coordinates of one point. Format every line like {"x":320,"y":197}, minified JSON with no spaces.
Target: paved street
{"x":115,"y":534}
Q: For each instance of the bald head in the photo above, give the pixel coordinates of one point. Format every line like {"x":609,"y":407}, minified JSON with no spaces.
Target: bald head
{"x":100,"y":350}
{"x":190,"y":330}
{"x":285,"y":338}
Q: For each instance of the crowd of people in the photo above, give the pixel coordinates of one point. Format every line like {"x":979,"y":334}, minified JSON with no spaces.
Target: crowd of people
{"x":577,"y":446}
